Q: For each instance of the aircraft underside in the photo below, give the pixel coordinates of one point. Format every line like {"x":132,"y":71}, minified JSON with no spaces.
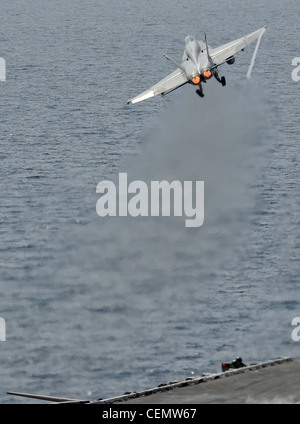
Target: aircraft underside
{"x":198,"y":64}
{"x":204,"y":79}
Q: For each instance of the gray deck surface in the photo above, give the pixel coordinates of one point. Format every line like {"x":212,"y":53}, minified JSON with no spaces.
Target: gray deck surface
{"x":278,"y":383}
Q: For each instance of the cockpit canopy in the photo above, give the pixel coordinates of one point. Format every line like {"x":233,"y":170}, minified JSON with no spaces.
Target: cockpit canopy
{"x":189,"y":39}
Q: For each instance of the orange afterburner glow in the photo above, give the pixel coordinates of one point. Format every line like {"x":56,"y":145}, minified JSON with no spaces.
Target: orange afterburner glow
{"x":196,"y":80}
{"x":207,"y":74}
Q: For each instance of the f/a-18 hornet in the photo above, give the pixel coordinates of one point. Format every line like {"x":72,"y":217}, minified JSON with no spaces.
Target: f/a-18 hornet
{"x":199,"y":63}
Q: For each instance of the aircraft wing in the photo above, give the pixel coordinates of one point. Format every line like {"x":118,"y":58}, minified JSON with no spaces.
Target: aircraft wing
{"x":166,"y":85}
{"x":220,"y":54}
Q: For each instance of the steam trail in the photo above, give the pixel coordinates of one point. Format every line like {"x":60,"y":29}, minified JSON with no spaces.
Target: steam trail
{"x":254,"y":55}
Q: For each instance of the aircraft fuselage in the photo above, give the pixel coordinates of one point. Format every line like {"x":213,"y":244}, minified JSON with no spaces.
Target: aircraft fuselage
{"x":196,"y":63}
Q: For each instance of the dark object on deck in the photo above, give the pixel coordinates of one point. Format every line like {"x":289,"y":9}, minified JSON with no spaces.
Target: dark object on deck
{"x":237,"y":363}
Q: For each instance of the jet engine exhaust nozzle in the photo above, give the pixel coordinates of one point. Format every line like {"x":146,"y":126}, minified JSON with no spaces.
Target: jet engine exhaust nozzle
{"x":196,"y":80}
{"x":207,"y":74}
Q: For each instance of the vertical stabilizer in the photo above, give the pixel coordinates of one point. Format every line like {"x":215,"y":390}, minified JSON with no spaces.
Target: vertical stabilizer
{"x":207,"y":52}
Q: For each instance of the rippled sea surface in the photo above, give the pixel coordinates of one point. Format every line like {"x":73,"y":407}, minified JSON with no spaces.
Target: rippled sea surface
{"x":97,"y":306}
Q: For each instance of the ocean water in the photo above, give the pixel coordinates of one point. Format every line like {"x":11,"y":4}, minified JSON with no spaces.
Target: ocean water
{"x":97,"y":306}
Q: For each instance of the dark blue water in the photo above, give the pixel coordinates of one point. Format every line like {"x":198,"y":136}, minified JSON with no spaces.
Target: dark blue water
{"x":96,"y":307}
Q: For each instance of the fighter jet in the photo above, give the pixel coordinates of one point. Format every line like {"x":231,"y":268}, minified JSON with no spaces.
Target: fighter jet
{"x":199,"y":63}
